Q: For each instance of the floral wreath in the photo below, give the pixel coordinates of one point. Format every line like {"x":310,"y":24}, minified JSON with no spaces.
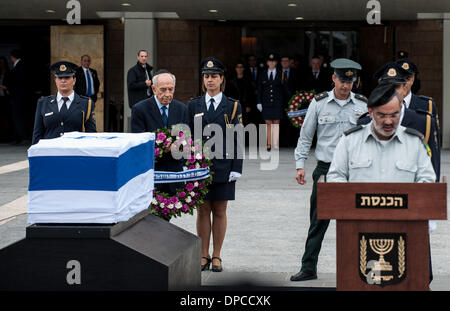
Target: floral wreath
{"x":299,"y":101}
{"x":192,"y":195}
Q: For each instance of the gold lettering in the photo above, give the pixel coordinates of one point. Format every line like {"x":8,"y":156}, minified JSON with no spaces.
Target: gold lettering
{"x":390,"y":201}
{"x":365,"y":200}
{"x":383,"y":201}
{"x":399,"y":201}
{"x":375,"y":201}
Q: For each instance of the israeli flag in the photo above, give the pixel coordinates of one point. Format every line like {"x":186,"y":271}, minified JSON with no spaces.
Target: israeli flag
{"x":90,"y":177}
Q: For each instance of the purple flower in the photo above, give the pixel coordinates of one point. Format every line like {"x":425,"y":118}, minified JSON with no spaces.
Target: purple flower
{"x":190,"y":186}
{"x":161,"y":136}
{"x":166,"y":202}
{"x":204,"y":165}
{"x":180,"y":134}
{"x":196,"y":195}
{"x":192,"y":203}
{"x":182,"y":194}
{"x":191,"y":167}
{"x":200,"y":185}
{"x":185,"y":208}
{"x":174,"y":200}
{"x":191,"y":159}
{"x":156,"y":208}
{"x":156,"y":151}
{"x":160,"y":198}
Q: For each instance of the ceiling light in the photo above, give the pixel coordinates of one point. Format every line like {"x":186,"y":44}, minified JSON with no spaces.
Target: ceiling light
{"x":299,"y":18}
{"x":50,"y":11}
{"x":125,"y":4}
{"x":213,"y":11}
{"x":292,"y":4}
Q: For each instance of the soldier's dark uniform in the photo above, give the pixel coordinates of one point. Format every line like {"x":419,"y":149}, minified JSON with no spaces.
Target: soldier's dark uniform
{"x":228,"y":112}
{"x":51,"y":123}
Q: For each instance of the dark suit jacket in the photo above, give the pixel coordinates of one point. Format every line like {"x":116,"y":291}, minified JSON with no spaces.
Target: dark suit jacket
{"x":48,"y":122}
{"x":16,"y":83}
{"x":146,"y":117}
{"x":137,"y":89}
{"x":197,"y":112}
{"x":418,"y":120}
{"x":80,"y":86}
{"x":321,"y":84}
{"x":423,"y":103}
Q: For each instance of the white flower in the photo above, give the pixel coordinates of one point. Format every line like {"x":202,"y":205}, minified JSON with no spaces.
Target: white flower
{"x":198,"y":156}
{"x":169,"y":139}
{"x":197,"y":165}
{"x":196,"y":184}
{"x":192,"y":193}
{"x":161,"y":205}
{"x":178,"y":205}
{"x":188,"y":199}
{"x":170,"y":206}
{"x":159,"y":142}
{"x":154,"y":201}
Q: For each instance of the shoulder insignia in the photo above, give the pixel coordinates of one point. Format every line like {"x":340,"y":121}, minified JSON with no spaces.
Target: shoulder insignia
{"x":362,"y":98}
{"x":194,"y":98}
{"x":365,"y":114}
{"x":232,"y":99}
{"x":424,"y":97}
{"x":353,"y":129}
{"x":422,"y":138}
{"x":321,"y":96}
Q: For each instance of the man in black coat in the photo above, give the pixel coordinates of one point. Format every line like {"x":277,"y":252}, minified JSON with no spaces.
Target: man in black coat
{"x":317,"y":78}
{"x":87,"y":83}
{"x":157,"y":112}
{"x":16,"y":85}
{"x":139,"y":80}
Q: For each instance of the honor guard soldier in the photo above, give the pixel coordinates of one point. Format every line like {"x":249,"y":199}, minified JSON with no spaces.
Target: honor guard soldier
{"x":420,"y":120}
{"x":211,"y":110}
{"x":413,"y":101}
{"x":331,"y":114}
{"x":64,"y":111}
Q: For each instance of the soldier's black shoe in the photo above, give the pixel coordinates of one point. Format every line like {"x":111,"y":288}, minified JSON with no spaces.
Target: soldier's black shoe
{"x":303,"y":276}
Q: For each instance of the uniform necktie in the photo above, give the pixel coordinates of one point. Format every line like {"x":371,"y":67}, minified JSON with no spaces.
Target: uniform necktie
{"x":271,"y":76}
{"x":63,"y":110}
{"x":164,"y":115}
{"x":89,"y":84}
{"x":211,"y":109}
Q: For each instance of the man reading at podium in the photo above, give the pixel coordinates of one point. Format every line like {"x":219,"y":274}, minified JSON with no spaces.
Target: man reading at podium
{"x":383,"y":150}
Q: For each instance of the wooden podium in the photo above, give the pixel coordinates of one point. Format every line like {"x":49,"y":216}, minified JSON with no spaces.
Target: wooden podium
{"x":382,"y":239}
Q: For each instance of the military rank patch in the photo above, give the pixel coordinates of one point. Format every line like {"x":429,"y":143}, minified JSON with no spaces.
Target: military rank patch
{"x":382,"y":258}
{"x":362,"y":97}
{"x":321,"y":96}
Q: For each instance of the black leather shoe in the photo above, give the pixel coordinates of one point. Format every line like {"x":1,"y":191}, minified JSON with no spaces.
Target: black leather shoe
{"x":207,"y":264}
{"x":303,"y":276}
{"x":215,"y":268}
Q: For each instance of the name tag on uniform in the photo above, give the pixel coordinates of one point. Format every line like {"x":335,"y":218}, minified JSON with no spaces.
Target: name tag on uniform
{"x":199,"y":114}
{"x":48,"y":114}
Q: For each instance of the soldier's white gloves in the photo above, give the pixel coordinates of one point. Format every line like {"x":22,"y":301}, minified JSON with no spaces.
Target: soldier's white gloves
{"x":234,"y":176}
{"x":259,"y":106}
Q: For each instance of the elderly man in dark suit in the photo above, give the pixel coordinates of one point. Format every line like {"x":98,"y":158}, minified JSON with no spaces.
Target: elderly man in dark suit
{"x":318,"y":78}
{"x":87,"y":79}
{"x":139,"y":80}
{"x":161,"y":111}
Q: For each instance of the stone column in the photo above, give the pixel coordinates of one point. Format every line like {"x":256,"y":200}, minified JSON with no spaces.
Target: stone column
{"x":140,"y":34}
{"x":445,"y":126}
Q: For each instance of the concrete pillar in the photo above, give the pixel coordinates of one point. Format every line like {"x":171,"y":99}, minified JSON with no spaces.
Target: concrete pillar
{"x":140,"y":34}
{"x":445,"y":127}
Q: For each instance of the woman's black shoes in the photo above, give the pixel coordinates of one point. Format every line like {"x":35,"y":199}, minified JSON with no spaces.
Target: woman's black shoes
{"x":217,"y":268}
{"x":207,"y":264}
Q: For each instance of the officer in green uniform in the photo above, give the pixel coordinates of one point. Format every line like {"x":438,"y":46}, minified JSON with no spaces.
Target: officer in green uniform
{"x":331,"y":114}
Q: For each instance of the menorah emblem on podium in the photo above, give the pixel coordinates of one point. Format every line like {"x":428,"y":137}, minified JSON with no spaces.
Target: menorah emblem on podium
{"x":382,"y":247}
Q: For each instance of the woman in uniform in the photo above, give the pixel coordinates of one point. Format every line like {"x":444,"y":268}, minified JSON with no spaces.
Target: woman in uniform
{"x":271,"y":92}
{"x":215,"y":108}
{"x":65,"y":111}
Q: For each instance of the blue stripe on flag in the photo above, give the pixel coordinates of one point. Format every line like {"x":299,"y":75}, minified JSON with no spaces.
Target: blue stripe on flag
{"x":90,"y":173}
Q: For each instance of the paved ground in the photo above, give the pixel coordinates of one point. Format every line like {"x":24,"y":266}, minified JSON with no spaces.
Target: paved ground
{"x":267,"y":224}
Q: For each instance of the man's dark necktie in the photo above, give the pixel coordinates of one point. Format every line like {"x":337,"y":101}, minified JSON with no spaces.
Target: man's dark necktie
{"x":164,"y":115}
{"x":63,"y":110}
{"x":271,"y":76}
{"x":211,"y":110}
{"x":89,"y":84}
{"x":254,"y":74}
